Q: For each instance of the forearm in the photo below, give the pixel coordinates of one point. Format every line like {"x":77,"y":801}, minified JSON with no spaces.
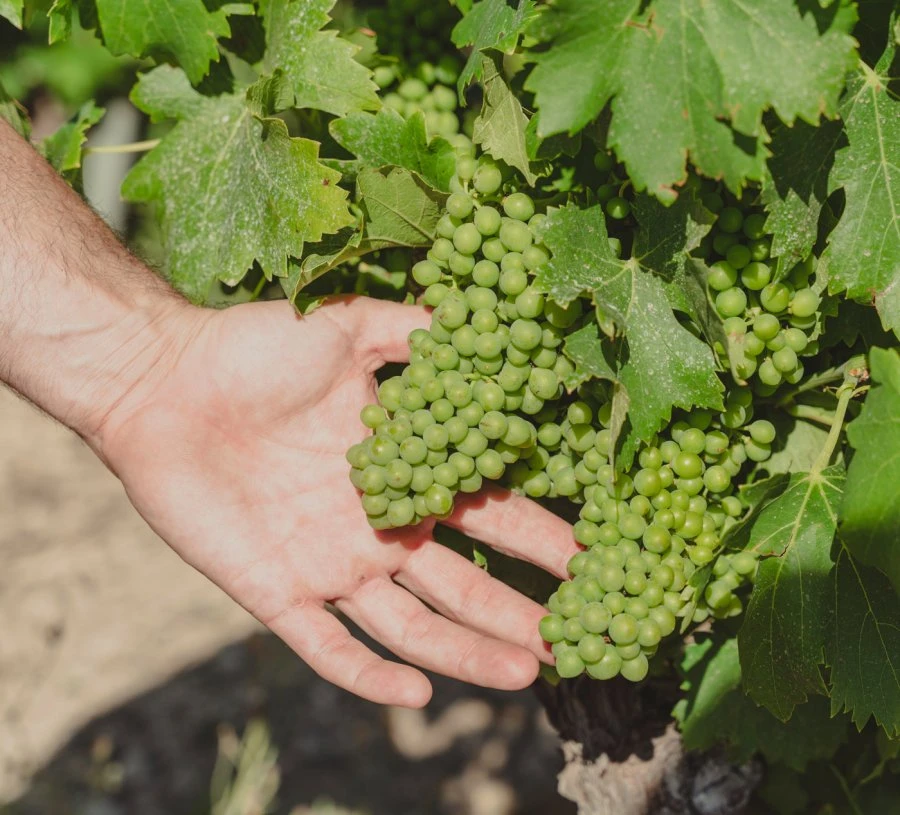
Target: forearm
{"x":81,"y":320}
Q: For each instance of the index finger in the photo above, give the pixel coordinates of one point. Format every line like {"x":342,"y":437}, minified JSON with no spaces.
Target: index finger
{"x":515,"y":526}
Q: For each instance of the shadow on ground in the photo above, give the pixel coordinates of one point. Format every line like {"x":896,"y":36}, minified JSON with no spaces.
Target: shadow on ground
{"x":471,"y":752}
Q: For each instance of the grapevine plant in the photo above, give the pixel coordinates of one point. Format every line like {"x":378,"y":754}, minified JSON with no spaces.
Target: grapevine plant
{"x":661,"y":244}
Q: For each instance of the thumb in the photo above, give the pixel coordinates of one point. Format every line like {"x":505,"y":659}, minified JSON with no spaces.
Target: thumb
{"x":382,"y":327}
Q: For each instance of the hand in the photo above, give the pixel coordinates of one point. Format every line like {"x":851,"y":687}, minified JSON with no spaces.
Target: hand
{"x":232,"y":448}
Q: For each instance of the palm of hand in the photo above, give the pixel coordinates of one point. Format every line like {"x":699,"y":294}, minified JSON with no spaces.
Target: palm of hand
{"x":234,"y":453}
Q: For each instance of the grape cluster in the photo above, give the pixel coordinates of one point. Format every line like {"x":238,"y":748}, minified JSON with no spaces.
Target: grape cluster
{"x":646,"y":532}
{"x":465,"y":407}
{"x":483,"y":398}
{"x":769,"y":322}
{"x":730,"y":571}
{"x":429,"y":88}
{"x":413,"y":30}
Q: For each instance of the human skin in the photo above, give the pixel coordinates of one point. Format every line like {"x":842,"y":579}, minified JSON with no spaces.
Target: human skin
{"x":228,"y":430}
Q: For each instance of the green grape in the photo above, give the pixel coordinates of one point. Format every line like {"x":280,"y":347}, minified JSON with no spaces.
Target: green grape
{"x":762,"y":431}
{"x":785,"y":360}
{"x":485,"y":273}
{"x":731,"y":302}
{"x":515,"y":235}
{"x":551,"y":628}
{"x":534,"y":257}
{"x":730,"y":220}
{"x":804,"y":303}
{"x":487,"y":178}
{"x":738,"y":256}
{"x":617,"y":208}
{"x":608,"y":666}
{"x":796,"y":340}
{"x":717,"y":479}
{"x":569,"y":664}
{"x":756,"y":275}
{"x":487,"y":220}
{"x":775,"y":297}
{"x":459,"y":205}
{"x":513,"y":282}
{"x":766,"y":326}
{"x":518,"y":206}
{"x":493,"y":250}
{"x":467,"y":239}
{"x":623,"y":629}
{"x":757,"y":451}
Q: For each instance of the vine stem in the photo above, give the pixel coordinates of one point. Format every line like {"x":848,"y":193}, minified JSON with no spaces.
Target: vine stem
{"x":259,"y":287}
{"x":132,"y":147}
{"x":845,"y":394}
{"x":824,"y":378}
{"x":812,"y":414}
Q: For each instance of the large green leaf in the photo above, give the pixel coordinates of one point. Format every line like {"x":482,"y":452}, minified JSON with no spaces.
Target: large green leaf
{"x":680,"y":74}
{"x":665,"y":366}
{"x":870,"y":514}
{"x":386,"y":138}
{"x":233,"y":187}
{"x":489,"y":24}
{"x":782,"y":640}
{"x":715,"y":711}
{"x":500,"y":127}
{"x":864,"y":649}
{"x":319,"y":64}
{"x":864,"y":249}
{"x":184,"y":30}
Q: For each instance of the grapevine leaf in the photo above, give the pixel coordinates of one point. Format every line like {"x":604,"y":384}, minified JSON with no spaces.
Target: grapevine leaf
{"x":232,"y":187}
{"x":585,"y":348}
{"x":665,"y":365}
{"x":500,"y":127}
{"x":667,"y":235}
{"x":795,"y":188}
{"x":386,"y":138}
{"x":63,"y":148}
{"x":181,"y":29}
{"x":715,"y":710}
{"x":400,"y":208}
{"x":12,"y":11}
{"x":321,"y":257}
{"x":871,"y":513}
{"x":863,"y":254}
{"x":10,"y":112}
{"x":320,"y":65}
{"x":59,"y":16}
{"x":490,"y":24}
{"x":798,"y":449}
{"x":675,"y":92}
{"x":783,"y":635}
{"x":864,"y":651}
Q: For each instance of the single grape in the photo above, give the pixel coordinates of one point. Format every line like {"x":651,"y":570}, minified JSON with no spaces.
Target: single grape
{"x":804,"y":303}
{"x":518,"y":206}
{"x":551,"y":628}
{"x":459,"y":205}
{"x":731,"y":302}
{"x":775,"y":297}
{"x":730,"y":220}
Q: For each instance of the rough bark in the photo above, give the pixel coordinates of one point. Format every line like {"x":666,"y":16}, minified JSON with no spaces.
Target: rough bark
{"x":624,"y":756}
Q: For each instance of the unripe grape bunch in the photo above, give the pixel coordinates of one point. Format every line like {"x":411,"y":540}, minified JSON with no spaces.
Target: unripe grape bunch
{"x":483,"y":397}
{"x":770,"y":323}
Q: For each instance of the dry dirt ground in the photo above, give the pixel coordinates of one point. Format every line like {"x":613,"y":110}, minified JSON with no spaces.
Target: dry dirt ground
{"x":118,"y":664}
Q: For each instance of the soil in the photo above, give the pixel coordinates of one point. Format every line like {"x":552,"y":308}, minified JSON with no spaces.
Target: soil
{"x":120,"y":667}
